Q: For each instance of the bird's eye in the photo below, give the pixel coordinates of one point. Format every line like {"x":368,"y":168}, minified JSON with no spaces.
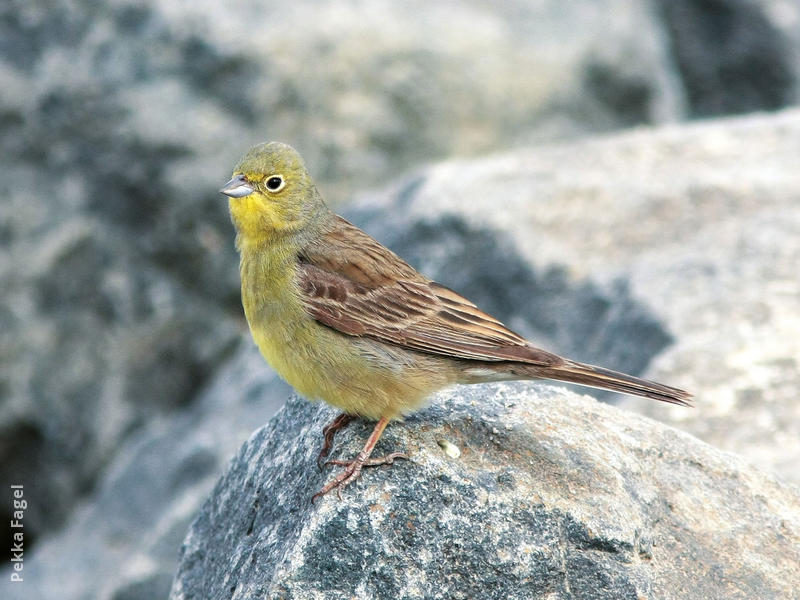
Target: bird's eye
{"x":275,"y":183}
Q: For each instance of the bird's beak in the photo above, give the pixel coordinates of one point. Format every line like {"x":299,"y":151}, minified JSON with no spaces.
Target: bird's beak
{"x":237,"y":187}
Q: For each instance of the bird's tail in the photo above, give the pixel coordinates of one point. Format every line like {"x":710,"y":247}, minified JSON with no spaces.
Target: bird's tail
{"x":606,"y":379}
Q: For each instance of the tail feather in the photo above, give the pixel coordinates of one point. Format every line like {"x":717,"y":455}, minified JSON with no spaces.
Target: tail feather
{"x":598,"y":377}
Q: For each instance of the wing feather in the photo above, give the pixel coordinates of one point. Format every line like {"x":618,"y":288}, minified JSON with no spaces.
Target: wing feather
{"x":353,"y":284}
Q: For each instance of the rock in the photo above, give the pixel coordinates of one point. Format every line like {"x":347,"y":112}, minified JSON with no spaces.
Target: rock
{"x":734,"y":56}
{"x":367,"y":91}
{"x":95,"y":342}
{"x":124,"y":544}
{"x":554,"y":495}
{"x":679,"y":242}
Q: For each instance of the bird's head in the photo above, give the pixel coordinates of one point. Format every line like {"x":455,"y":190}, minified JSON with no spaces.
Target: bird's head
{"x":272,"y":193}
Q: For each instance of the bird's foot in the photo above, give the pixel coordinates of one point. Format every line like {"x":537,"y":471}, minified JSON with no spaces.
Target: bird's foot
{"x":340,"y":422}
{"x":352,"y":471}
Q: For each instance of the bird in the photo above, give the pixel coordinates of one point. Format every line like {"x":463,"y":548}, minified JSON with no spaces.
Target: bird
{"x":345,"y":320}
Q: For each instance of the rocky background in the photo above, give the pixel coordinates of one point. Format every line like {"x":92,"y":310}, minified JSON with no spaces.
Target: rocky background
{"x":127,"y":378}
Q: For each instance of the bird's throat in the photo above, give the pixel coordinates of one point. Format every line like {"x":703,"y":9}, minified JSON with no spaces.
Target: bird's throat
{"x":253,"y":223}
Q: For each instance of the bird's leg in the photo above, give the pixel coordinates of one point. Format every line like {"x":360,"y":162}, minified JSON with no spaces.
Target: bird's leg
{"x":340,"y":422}
{"x":353,"y":467}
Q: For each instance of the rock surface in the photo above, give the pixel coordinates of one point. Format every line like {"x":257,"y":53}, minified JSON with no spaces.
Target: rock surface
{"x":553,"y":496}
{"x":694,"y":228}
{"x":124,"y":544}
{"x":735,"y":56}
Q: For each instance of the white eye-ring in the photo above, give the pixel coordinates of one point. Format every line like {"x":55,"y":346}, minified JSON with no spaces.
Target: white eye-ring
{"x":275,"y":183}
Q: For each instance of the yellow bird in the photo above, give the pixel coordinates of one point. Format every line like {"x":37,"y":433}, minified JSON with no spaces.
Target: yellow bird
{"x":345,"y":320}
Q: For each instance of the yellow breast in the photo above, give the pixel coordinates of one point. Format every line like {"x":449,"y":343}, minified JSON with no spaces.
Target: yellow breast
{"x":359,"y":376}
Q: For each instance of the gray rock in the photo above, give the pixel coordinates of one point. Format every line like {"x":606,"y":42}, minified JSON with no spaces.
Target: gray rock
{"x":95,"y":341}
{"x":367,"y":91}
{"x":124,"y":545}
{"x":734,"y":56}
{"x":553,"y":496}
{"x":680,"y":242}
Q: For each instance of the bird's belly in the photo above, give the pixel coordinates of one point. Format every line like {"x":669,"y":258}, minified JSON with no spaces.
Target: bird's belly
{"x":360,"y":377}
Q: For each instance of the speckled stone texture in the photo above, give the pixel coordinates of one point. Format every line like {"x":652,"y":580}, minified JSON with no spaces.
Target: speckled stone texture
{"x":554,"y":496}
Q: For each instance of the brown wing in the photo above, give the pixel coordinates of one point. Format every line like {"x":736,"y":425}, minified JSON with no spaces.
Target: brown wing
{"x":355,"y":285}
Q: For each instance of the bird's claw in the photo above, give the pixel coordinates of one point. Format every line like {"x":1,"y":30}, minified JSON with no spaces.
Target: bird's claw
{"x":352,"y":471}
{"x":370,"y":462}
